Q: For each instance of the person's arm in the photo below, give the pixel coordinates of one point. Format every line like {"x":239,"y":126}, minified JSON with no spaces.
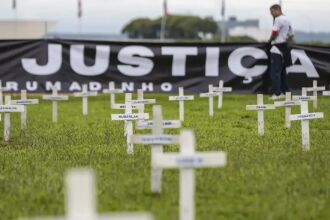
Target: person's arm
{"x":273,"y":36}
{"x":275,"y":30}
{"x":290,"y":35}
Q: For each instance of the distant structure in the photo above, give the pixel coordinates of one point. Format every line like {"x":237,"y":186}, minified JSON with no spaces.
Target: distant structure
{"x":232,"y":23}
{"x":25,"y":29}
{"x":39,"y":29}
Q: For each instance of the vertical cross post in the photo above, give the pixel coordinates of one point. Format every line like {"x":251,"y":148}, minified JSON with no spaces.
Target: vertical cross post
{"x":210,"y":95}
{"x":181,"y":98}
{"x":24,"y":113}
{"x":260,"y":107}
{"x":55,"y":106}
{"x":6,"y":128}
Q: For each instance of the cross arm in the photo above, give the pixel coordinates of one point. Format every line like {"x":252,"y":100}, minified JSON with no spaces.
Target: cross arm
{"x":198,"y":160}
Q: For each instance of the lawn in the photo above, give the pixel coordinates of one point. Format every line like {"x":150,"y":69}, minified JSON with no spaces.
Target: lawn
{"x":266,"y":178}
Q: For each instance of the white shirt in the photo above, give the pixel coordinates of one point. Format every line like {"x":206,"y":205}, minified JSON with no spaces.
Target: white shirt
{"x":284,"y":30}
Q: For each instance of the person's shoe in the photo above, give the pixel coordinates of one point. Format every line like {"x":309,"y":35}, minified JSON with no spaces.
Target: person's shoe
{"x":282,"y":96}
{"x":276,"y":97}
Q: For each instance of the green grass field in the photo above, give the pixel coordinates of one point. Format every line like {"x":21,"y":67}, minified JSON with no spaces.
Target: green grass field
{"x":266,"y":178}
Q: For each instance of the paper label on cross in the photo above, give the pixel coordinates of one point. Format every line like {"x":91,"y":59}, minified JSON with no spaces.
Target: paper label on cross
{"x":11,"y":108}
{"x":166,"y":124}
{"x":123,"y":106}
{"x":315,"y":89}
{"x":208,"y":95}
{"x":303,"y":98}
{"x":145,"y":101}
{"x":224,"y":89}
{"x":25,"y":102}
{"x":286,"y":103}
{"x":260,"y":107}
{"x":126,"y":117}
{"x":181,"y":98}
{"x":155,"y":139}
{"x":55,"y":98}
{"x":198,"y":160}
{"x":308,"y":116}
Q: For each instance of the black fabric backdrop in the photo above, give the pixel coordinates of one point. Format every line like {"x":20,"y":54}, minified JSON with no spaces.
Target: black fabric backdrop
{"x":24,"y":63}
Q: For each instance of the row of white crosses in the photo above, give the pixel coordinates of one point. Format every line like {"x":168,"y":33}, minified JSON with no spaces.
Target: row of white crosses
{"x":187,"y":160}
{"x":156,"y":139}
{"x":12,"y":106}
{"x":128,"y":118}
{"x":55,"y":98}
{"x":81,"y":200}
{"x":304,"y":117}
{"x":213,"y":91}
{"x":7,"y":109}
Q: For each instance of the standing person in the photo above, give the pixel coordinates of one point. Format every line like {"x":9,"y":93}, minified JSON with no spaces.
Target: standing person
{"x":280,"y":54}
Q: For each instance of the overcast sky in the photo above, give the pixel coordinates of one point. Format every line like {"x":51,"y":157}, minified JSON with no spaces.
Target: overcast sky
{"x":109,"y":16}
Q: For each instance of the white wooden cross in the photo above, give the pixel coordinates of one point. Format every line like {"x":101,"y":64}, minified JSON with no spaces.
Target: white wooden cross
{"x":140,"y":102}
{"x":24,"y":101}
{"x":220,"y":90}
{"x":303,"y":97}
{"x":157,"y":139}
{"x":287,"y":104}
{"x":55,"y":98}
{"x":85,"y":94}
{"x":181,"y":98}
{"x":81,"y":200}
{"x":128,"y":117}
{"x":315,"y":89}
{"x":260,"y":107}
{"x":2,"y":89}
{"x":7,"y":109}
{"x":187,"y":161}
{"x":210,"y":95}
{"x":112,"y":91}
{"x":304,"y":117}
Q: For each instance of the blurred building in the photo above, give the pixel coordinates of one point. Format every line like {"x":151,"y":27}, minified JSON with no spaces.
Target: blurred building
{"x":25,"y":29}
{"x":237,"y":28}
{"x":38,"y":29}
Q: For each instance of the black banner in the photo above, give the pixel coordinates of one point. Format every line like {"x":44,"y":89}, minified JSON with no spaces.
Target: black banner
{"x":156,"y":67}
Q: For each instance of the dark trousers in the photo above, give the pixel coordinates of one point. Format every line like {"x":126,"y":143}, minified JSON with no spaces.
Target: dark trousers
{"x":278,"y":74}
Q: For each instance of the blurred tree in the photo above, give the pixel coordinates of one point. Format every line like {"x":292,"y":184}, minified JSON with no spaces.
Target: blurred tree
{"x":241,"y":39}
{"x":177,"y":27}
